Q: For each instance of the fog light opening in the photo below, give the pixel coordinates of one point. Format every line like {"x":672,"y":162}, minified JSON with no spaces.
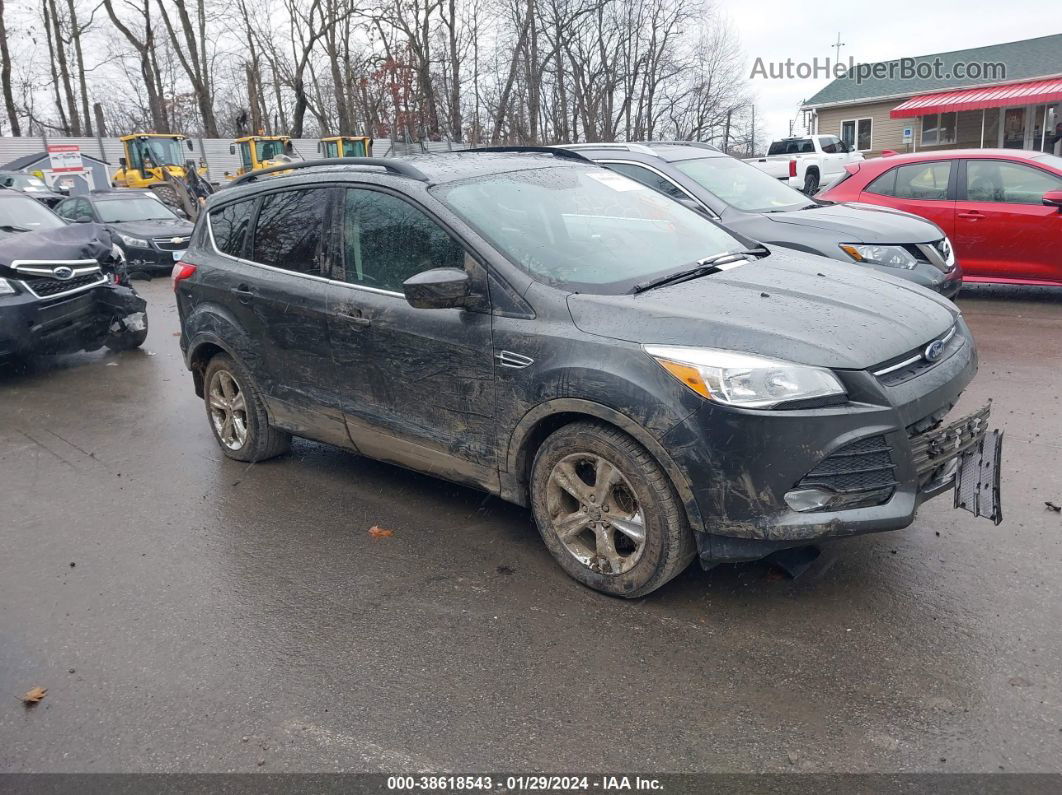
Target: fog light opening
{"x":817,"y":499}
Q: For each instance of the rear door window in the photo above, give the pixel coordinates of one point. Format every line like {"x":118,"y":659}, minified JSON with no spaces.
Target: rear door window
{"x":230,"y":226}
{"x":920,"y":181}
{"x":288,"y":231}
{"x":386,"y":240}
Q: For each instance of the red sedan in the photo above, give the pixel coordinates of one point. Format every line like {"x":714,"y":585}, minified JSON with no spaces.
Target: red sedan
{"x":1001,"y":208}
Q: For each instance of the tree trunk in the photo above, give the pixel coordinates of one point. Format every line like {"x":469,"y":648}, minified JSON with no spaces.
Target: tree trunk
{"x":5,"y":77}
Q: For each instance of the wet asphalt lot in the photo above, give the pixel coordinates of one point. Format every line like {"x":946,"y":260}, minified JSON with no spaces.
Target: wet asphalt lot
{"x":189,"y":613}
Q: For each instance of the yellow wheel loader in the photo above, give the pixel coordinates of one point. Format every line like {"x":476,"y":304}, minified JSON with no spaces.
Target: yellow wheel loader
{"x":261,"y":151}
{"x":345,"y":146}
{"x":153,"y":160}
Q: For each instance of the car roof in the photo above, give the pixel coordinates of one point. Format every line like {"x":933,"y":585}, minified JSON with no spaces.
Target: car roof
{"x":954,"y":154}
{"x":668,"y":151}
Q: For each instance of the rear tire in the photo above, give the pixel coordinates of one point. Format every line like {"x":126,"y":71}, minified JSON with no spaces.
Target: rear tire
{"x":811,"y":182}
{"x":607,"y":511}
{"x":237,"y":414}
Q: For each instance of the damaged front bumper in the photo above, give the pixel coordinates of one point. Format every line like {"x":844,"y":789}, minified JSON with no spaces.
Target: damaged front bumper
{"x":31,"y":326}
{"x":771,"y":480}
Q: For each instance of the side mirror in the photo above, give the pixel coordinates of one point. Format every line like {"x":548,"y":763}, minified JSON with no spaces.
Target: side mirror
{"x":189,"y":142}
{"x":232,"y":149}
{"x":123,"y":162}
{"x":439,"y":288}
{"x":1053,"y":198}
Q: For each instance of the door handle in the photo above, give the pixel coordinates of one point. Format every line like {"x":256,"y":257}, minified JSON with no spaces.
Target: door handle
{"x":243,"y":293}
{"x":973,"y":215}
{"x":353,"y":316}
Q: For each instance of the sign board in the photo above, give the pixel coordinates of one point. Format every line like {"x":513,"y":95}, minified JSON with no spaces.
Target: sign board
{"x":65,"y":157}
{"x":908,"y":134}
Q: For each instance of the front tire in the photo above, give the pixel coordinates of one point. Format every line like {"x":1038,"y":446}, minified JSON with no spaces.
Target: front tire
{"x":237,"y":414}
{"x":607,"y":511}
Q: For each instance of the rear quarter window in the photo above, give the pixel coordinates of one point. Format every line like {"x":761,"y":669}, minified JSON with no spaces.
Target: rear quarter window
{"x":230,"y":224}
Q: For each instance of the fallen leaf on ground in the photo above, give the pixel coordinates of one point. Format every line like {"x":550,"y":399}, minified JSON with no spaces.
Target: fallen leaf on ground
{"x":1053,"y":507}
{"x":34,"y":696}
{"x":379,"y":532}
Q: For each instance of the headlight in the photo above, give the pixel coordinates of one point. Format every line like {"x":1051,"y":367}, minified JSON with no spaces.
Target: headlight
{"x":135,"y":242}
{"x":741,"y":379}
{"x":6,"y":288}
{"x":891,"y":256}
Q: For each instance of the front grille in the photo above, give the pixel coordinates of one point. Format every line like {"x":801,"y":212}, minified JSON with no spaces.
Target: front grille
{"x":863,"y":465}
{"x":167,"y":244}
{"x":44,"y":287}
{"x":934,"y":450}
{"x":914,"y":362}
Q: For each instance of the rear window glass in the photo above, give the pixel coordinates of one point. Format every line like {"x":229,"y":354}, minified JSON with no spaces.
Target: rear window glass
{"x":229,"y":225}
{"x":797,"y":146}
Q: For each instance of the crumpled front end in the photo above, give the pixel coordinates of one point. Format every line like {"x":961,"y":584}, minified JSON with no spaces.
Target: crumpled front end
{"x":769,"y":480}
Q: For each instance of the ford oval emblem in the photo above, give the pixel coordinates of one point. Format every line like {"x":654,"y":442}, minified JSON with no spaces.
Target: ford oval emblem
{"x":934,"y":351}
{"x":63,"y":272}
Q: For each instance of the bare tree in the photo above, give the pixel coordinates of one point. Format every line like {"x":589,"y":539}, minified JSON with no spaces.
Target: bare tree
{"x":5,"y":77}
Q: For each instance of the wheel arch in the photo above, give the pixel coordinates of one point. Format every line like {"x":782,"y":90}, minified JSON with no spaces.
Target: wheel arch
{"x":538,"y":423}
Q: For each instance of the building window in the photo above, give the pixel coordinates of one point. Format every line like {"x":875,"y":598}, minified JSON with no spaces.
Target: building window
{"x":938,"y":129}
{"x":858,"y":134}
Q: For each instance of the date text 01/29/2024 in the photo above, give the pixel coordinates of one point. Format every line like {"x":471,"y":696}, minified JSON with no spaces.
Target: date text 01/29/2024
{"x":523,"y":783}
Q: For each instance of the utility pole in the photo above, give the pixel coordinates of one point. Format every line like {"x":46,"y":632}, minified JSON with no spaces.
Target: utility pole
{"x":837,"y":46}
{"x":751,"y":151}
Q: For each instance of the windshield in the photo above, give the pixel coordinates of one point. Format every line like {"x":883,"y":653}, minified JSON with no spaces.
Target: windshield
{"x":584,"y":228}
{"x":741,"y":185}
{"x":269,"y":150}
{"x":139,"y":208}
{"x":21,"y":213}
{"x":160,"y":152}
{"x":24,"y":182}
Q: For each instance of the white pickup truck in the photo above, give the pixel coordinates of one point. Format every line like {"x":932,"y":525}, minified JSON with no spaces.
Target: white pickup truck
{"x":806,"y":162}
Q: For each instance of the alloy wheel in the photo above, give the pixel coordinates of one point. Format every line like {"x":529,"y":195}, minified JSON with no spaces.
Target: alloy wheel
{"x":595,"y":513}
{"x":228,"y":410}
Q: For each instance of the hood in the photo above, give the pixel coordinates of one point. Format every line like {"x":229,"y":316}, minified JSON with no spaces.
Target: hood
{"x":63,"y":244}
{"x":859,"y":223}
{"x":788,"y":305}
{"x":148,"y":229}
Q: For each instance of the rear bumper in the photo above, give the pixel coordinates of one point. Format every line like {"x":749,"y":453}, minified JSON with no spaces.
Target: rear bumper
{"x":30,"y":326}
{"x":742,"y":464}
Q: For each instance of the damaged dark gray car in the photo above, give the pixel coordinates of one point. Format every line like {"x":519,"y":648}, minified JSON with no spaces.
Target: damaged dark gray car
{"x":654,"y":387}
{"x":62,"y":288}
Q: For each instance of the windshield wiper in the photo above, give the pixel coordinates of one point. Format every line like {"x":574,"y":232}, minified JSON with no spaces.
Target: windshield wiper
{"x":702,"y":267}
{"x":13,"y":228}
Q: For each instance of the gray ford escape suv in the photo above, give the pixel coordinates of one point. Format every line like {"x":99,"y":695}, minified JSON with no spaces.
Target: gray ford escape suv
{"x":654,"y":387}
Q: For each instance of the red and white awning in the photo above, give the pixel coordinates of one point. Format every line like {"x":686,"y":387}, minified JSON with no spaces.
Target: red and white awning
{"x":1031,"y":93}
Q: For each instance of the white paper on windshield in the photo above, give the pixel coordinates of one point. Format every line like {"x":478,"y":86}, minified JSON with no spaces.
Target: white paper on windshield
{"x":615,"y":181}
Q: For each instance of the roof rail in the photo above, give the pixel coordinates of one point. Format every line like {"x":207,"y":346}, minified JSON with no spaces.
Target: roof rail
{"x":623,"y":147}
{"x":697,"y":144}
{"x":389,"y":164}
{"x":542,"y":150}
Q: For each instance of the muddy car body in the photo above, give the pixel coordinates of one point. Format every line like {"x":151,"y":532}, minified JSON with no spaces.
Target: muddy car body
{"x":529,"y":324}
{"x":62,"y":288}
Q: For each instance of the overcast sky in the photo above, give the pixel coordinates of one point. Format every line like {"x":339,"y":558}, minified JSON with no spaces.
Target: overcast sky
{"x":880,"y":31}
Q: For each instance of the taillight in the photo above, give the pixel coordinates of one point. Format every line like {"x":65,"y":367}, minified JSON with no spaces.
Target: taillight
{"x":180,"y":272}
{"x":792,"y":168}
